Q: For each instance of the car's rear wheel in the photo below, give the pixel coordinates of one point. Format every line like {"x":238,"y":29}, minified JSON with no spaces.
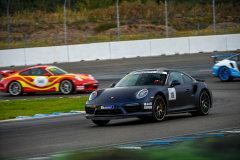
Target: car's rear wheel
{"x":224,"y":74}
{"x":15,"y":88}
{"x":66,"y":87}
{"x":159,"y":108}
{"x":204,"y":104}
{"x":101,"y":122}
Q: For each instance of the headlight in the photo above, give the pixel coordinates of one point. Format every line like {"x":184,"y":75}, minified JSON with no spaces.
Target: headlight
{"x":91,"y":76}
{"x":92,"y":96}
{"x":78,"y":78}
{"x":142,"y":93}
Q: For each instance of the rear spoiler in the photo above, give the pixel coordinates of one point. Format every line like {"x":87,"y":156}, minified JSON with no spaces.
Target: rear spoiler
{"x":7,"y":73}
{"x":200,"y":79}
{"x":216,"y":56}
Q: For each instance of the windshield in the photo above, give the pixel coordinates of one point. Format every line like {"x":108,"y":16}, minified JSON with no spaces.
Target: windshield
{"x":138,"y":79}
{"x":56,"y":70}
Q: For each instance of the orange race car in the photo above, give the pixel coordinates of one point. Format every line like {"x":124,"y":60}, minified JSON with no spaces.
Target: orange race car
{"x":45,"y":79}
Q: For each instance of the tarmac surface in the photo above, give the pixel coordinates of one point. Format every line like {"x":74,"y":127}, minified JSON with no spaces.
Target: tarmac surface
{"x":39,"y":137}
{"x":108,"y":71}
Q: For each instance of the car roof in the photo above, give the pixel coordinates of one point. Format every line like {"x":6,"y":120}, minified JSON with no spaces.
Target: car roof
{"x":43,"y":67}
{"x":156,"y":69}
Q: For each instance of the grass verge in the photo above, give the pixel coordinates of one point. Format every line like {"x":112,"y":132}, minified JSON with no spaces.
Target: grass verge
{"x":12,"y":109}
{"x":102,"y":38}
{"x":213,"y":148}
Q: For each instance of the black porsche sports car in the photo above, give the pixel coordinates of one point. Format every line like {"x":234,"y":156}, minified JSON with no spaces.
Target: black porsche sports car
{"x":150,"y":93}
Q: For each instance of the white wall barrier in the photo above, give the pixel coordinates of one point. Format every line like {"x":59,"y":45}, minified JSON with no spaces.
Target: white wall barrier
{"x":129,"y":49}
{"x":113,"y":50}
{"x":233,"y":42}
{"x":207,"y":43}
{"x":90,"y":51}
{"x":11,"y":57}
{"x":169,"y":46}
{"x":46,"y":55}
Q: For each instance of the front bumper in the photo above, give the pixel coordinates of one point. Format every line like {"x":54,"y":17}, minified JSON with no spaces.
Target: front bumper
{"x":86,"y":86}
{"x":120,"y":111}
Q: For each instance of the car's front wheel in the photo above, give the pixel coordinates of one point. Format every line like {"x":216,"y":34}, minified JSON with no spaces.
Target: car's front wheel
{"x":101,"y":122}
{"x":224,"y":74}
{"x":15,"y":88}
{"x":66,"y":87}
{"x":159,"y":108}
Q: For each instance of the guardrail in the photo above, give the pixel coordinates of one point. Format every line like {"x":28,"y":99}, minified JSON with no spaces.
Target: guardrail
{"x":115,"y":50}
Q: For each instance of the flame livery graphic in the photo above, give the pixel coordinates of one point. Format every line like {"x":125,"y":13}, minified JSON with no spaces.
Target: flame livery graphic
{"x":45,"y":79}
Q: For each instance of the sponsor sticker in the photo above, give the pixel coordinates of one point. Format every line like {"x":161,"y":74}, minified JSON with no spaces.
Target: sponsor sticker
{"x":172,"y":93}
{"x":147,"y":107}
{"x":40,"y":81}
{"x":107,"y":107}
{"x":80,"y":87}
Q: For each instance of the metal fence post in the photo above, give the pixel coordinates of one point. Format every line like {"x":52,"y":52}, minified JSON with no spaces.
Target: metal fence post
{"x":65,"y":26}
{"x":118,"y":21}
{"x":86,"y":36}
{"x":224,"y":27}
{"x":56,"y":38}
{"x":171,"y":31}
{"x":198,"y":29}
{"x":214,"y":21}
{"x":166,"y":18}
{"x":8,"y":24}
{"x":143,"y":32}
{"x":26,"y":41}
{"x":115,"y":34}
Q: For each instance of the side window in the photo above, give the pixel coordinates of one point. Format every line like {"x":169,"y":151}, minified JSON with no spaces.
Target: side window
{"x":175,"y":76}
{"x":186,"y":78}
{"x":38,"y":72}
{"x":235,"y":58}
{"x":25,"y":73}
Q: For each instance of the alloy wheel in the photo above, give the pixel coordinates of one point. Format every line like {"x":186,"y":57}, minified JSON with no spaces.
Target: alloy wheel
{"x":159,"y":108}
{"x":15,"y":88}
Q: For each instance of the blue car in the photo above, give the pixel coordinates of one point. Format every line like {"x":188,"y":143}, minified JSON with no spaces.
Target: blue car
{"x":227,"y":69}
{"x":149,"y":94}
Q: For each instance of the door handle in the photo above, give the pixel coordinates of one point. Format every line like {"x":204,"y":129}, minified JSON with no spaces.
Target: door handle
{"x":187,"y":90}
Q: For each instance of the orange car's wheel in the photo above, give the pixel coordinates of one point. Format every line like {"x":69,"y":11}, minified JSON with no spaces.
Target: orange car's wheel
{"x":66,"y":87}
{"x":15,"y":88}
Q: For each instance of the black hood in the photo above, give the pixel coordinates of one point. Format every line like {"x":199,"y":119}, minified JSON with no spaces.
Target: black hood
{"x":118,"y":94}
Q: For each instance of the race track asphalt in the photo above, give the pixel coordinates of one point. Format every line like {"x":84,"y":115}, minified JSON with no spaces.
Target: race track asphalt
{"x":39,"y":137}
{"x":107,"y":71}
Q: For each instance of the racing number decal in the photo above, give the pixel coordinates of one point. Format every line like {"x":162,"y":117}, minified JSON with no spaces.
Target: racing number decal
{"x":172,"y":93}
{"x":40,"y":81}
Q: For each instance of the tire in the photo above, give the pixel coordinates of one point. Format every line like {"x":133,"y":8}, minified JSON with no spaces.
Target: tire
{"x":15,"y":88}
{"x":204,"y":104}
{"x":66,"y":87}
{"x":159,"y":108}
{"x":101,"y":122}
{"x":224,"y":74}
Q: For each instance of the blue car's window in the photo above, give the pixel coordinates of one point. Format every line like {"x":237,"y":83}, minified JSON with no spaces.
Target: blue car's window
{"x":235,"y":58}
{"x":56,"y":70}
{"x":142,"y":79}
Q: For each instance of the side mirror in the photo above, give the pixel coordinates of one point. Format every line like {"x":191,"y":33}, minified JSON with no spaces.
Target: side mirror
{"x":174,"y":83}
{"x":112,"y":85}
{"x":47,"y":74}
